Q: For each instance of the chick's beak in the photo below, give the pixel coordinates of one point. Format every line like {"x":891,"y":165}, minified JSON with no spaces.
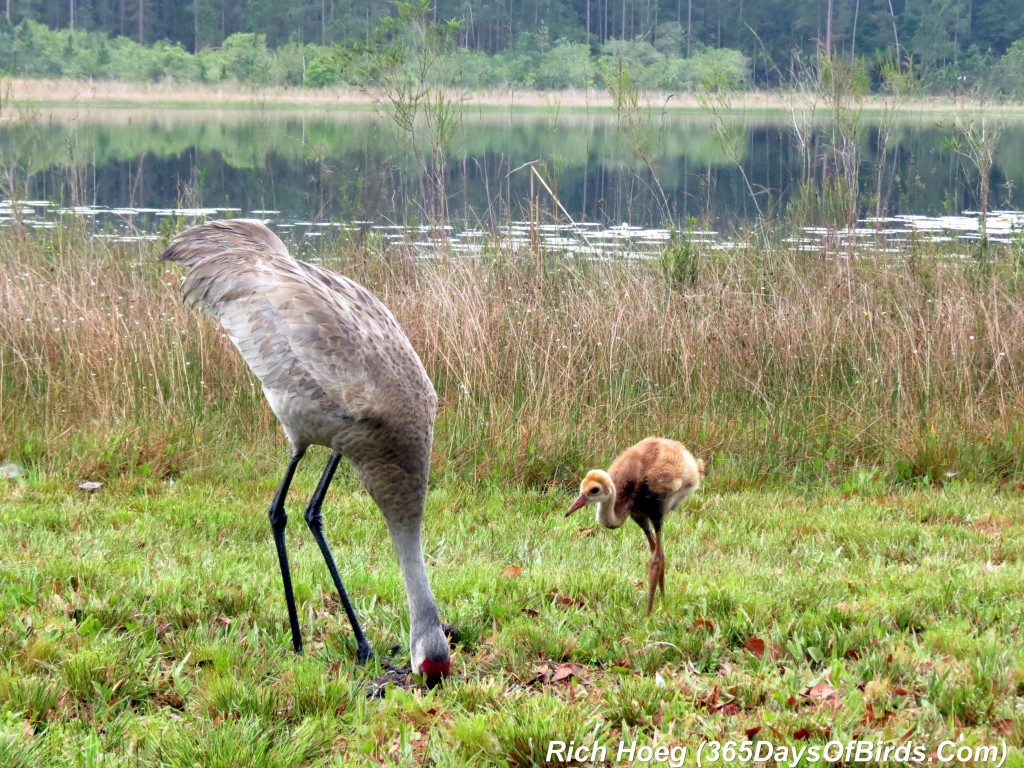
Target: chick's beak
{"x":580,"y":502}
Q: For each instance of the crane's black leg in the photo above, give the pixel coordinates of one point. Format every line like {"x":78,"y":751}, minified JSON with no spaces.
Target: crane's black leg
{"x":278,"y":521}
{"x":316,"y":527}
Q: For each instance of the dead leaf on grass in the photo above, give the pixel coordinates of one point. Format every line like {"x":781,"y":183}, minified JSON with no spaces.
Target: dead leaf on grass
{"x":544,"y":675}
{"x":540,"y":674}
{"x":566,"y":671}
{"x":511,"y":571}
{"x":755,"y":645}
{"x":564,"y":601}
{"x":823,"y":691}
{"x":659,"y":718}
{"x":710,"y":698}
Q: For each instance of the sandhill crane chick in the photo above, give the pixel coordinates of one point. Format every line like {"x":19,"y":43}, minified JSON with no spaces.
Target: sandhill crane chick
{"x":645,"y":483}
{"x":337,"y":371}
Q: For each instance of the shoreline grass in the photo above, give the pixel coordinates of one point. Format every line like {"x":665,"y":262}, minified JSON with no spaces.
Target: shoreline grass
{"x":773,"y":364}
{"x":85,"y":94}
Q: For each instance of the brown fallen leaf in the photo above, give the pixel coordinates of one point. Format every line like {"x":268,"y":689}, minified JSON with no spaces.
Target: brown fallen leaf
{"x":704,"y":624}
{"x":659,"y":718}
{"x":755,"y":645}
{"x":512,"y":570}
{"x":565,"y":671}
{"x":752,"y":732}
{"x":869,"y":713}
{"x":710,"y":698}
{"x":540,"y":674}
{"x":530,"y":612}
{"x":802,"y":734}
{"x":564,"y":601}
{"x":821,"y":692}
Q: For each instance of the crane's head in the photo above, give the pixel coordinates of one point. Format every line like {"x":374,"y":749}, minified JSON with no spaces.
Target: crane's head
{"x":431,"y":656}
{"x":597,"y":487}
{"x":434,"y":672}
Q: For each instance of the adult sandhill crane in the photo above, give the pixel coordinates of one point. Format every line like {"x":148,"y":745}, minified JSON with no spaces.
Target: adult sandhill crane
{"x":337,"y":371}
{"x":645,"y":483}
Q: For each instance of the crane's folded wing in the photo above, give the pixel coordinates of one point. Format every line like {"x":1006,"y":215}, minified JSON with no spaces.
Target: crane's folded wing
{"x":307,"y":332}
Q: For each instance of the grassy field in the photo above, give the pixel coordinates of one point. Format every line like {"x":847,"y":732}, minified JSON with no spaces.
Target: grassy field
{"x":145,"y":625}
{"x":851,"y":570}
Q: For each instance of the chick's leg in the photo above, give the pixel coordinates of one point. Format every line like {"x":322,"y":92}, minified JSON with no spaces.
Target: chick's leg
{"x":655,"y":569}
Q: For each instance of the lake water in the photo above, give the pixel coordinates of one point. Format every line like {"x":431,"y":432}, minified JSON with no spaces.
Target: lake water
{"x":127,"y":168}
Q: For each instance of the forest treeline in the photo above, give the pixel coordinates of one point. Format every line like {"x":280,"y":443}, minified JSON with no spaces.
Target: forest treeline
{"x":948,"y":45}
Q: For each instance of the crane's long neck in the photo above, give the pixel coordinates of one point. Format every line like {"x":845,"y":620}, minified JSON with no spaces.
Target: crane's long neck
{"x":409,"y":549}
{"x":426,"y":636}
{"x":607,"y":515}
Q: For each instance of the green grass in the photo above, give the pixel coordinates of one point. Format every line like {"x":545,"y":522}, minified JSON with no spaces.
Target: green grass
{"x":145,"y":624}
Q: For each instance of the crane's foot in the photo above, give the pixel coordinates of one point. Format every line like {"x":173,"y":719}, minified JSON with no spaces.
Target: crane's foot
{"x":363,"y":653}
{"x":452,"y":634}
{"x":397,"y":677}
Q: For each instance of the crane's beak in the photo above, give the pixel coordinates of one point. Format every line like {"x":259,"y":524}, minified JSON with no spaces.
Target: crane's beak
{"x":580,"y":502}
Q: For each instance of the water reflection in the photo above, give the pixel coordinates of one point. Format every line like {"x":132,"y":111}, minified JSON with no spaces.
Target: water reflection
{"x":336,"y":165}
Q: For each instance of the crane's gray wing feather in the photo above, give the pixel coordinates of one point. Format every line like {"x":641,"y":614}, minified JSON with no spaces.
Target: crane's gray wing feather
{"x":304,"y":332}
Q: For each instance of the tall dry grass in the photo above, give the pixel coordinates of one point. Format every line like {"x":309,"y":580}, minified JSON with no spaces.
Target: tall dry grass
{"x":770,"y":362}
{"x":104,"y":370}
